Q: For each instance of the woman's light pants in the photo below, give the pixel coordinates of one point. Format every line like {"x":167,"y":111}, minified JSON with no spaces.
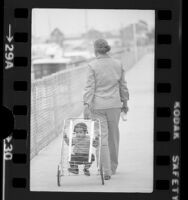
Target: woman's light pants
{"x":109,"y":119}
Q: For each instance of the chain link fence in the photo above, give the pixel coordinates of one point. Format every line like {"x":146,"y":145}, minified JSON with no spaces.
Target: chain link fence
{"x":59,"y":96}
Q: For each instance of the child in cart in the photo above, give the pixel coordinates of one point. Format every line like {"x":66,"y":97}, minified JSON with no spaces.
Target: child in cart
{"x":81,"y":143}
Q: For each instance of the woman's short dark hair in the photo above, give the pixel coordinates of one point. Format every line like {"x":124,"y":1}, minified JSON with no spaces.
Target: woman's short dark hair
{"x":101,"y":46}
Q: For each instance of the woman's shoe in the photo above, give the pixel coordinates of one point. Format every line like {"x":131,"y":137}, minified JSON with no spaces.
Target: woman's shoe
{"x":74,"y":171}
{"x":107,"y":177}
{"x":86,"y":172}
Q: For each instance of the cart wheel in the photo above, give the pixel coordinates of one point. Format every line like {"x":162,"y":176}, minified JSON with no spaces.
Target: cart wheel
{"x":101,"y":173}
{"x":58,"y":176}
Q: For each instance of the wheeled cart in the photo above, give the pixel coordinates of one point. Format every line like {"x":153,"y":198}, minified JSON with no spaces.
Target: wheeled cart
{"x":80,"y":151}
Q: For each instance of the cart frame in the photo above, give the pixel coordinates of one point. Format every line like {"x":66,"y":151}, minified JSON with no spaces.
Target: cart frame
{"x":99,"y":164}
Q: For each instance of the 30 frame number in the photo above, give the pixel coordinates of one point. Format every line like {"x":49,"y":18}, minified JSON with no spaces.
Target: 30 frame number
{"x":8,"y":147}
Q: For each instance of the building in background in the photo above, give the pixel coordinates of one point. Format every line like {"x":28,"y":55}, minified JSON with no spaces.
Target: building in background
{"x":134,"y":32}
{"x":79,"y":48}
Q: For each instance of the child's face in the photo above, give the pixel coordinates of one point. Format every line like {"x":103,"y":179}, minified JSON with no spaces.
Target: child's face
{"x":80,"y":132}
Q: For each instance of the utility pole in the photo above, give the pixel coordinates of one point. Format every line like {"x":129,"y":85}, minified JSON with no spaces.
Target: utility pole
{"x":121,"y":34}
{"x":49,"y":24}
{"x":135,"y":42}
{"x":87,"y":38}
{"x":86,"y":22}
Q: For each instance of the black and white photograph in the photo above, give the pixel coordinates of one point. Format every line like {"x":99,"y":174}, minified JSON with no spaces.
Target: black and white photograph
{"x":92,"y":100}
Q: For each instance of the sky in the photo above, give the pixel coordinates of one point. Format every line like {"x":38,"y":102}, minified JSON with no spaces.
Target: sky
{"x":76,"y":21}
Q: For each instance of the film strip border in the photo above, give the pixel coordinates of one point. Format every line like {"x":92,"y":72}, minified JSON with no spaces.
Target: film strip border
{"x":167,"y":122}
{"x":17,"y":74}
{"x":165,"y":112}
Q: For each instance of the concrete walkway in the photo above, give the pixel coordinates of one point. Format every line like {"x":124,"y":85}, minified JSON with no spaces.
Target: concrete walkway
{"x":135,"y":171}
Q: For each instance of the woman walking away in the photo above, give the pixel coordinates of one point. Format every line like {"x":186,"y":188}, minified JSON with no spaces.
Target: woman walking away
{"x":106,"y":94}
